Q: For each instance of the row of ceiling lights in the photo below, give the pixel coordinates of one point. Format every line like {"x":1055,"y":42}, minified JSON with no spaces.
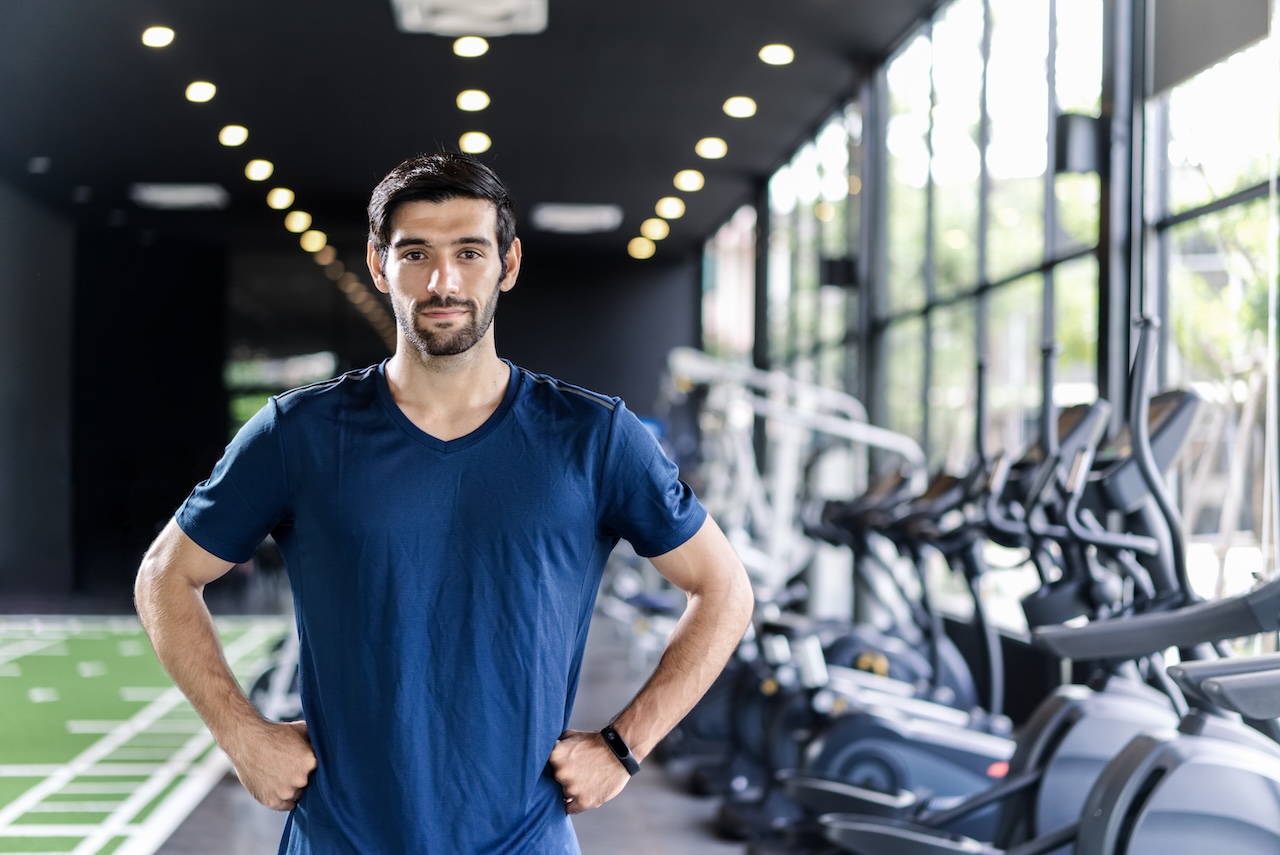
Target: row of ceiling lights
{"x":297,"y":221}
{"x":691,"y":180}
{"x":667,"y":208}
{"x":652,"y":229}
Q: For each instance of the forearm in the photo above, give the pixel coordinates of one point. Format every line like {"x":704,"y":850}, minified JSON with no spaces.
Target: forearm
{"x":182,"y":631}
{"x":705,"y":637}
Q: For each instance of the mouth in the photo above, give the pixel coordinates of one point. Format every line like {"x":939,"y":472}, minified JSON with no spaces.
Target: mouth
{"x":443,"y":313}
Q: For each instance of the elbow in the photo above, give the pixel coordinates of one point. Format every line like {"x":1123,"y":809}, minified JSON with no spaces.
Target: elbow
{"x":744,"y":598}
{"x":144,"y":588}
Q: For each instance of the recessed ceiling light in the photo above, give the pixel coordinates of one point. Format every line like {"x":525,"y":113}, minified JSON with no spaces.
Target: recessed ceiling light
{"x":641,"y":247}
{"x":279,"y":198}
{"x":470,"y":46}
{"x":689,"y":180}
{"x":575,"y":219}
{"x":740,"y":107}
{"x":472,"y":100}
{"x":712,"y":148}
{"x":201,"y":91}
{"x":297,"y":221}
{"x":233,"y":135}
{"x":39,"y":165}
{"x":325,"y":256}
{"x":474,"y":142}
{"x":655,"y":228}
{"x":777,"y":54}
{"x":669,"y":208}
{"x":157,"y":37}
{"x":313,"y":241}
{"x":179,"y":197}
{"x":259,"y":170}
{"x":334,"y":269}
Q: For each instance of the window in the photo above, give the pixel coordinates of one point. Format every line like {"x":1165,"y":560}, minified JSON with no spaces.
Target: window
{"x":728,"y":291}
{"x":1215,"y":219}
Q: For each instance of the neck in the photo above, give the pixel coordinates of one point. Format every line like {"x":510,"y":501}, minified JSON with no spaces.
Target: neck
{"x":448,"y":386}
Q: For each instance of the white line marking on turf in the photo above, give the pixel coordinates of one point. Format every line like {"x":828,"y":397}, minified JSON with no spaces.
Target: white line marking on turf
{"x":26,"y":647}
{"x":58,"y":649}
{"x":99,"y":788}
{"x":183,"y":726}
{"x":33,"y":830}
{"x":89,"y":757}
{"x":170,"y":813}
{"x":93,"y":756}
{"x":71,"y":806}
{"x":107,"y":768}
{"x":131,"y":648}
{"x":143,"y":694}
{"x":145,"y":794}
{"x":153,"y":752}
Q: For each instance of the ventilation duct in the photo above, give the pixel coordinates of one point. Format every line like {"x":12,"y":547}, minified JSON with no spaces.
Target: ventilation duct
{"x":470,"y":17}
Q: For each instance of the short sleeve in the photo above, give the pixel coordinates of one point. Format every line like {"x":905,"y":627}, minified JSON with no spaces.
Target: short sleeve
{"x":247,"y":494}
{"x":643,"y":499}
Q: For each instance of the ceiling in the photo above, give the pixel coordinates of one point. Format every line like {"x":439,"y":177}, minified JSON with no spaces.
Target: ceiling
{"x":604,"y":106}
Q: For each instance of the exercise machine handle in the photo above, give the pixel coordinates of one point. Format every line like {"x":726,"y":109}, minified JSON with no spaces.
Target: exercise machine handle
{"x":1139,"y":635}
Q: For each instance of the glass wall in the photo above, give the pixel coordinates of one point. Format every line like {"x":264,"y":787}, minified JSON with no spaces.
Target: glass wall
{"x":979,"y":226}
{"x":814,"y":222}
{"x":728,"y":288}
{"x":987,"y":249}
{"x":1213,"y":222}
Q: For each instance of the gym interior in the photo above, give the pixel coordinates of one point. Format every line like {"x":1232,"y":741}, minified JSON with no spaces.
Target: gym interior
{"x":960,"y":317}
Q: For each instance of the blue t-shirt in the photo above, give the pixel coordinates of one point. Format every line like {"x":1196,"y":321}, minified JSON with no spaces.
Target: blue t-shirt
{"x":443,"y":592}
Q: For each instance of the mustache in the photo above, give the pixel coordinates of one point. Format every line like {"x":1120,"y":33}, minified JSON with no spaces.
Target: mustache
{"x":441,"y":303}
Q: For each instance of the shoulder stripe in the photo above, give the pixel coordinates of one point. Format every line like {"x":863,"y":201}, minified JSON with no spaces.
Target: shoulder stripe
{"x":326,"y":384}
{"x":560,"y":386}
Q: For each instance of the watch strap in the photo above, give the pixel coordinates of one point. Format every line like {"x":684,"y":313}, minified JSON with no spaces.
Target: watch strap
{"x":620,"y":749}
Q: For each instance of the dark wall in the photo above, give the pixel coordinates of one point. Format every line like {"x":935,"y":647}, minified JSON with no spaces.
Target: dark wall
{"x":149,"y":412}
{"x":36,"y":251}
{"x":605,"y":324}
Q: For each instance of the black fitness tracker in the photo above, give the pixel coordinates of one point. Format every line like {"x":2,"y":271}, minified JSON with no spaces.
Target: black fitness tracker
{"x":620,"y":750}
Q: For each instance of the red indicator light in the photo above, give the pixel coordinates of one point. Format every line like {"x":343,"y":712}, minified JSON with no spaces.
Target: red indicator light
{"x":998,"y":769}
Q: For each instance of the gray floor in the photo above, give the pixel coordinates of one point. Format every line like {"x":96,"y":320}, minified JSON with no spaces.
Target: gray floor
{"x":651,"y":816}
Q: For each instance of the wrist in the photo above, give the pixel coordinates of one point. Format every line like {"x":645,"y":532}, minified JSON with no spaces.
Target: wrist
{"x":620,"y":749}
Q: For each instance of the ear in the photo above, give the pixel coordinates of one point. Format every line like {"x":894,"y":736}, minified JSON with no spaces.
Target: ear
{"x":374,"y":260}
{"x":514,"y":254}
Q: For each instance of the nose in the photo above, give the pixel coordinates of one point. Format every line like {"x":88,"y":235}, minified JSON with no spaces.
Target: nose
{"x":443,"y":281}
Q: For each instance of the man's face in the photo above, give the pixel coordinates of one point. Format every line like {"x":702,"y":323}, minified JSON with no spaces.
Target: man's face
{"x":443,"y":272}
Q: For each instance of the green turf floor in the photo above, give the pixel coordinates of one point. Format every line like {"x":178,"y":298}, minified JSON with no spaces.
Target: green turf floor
{"x":98,"y":752}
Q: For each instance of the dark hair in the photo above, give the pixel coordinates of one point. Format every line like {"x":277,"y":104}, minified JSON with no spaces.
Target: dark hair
{"x":438,"y":177}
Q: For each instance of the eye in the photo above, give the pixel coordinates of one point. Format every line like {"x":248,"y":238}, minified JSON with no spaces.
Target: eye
{"x":414,"y":255}
{"x":469,"y":253}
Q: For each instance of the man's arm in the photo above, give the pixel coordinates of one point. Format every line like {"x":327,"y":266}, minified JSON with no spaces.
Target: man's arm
{"x":707,"y":569}
{"x":273,"y":760}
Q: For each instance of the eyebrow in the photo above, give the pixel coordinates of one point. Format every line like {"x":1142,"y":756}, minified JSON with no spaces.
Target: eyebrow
{"x":467,"y":240}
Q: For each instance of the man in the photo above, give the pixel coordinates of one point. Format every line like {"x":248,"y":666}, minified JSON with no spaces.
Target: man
{"x":445,"y":518}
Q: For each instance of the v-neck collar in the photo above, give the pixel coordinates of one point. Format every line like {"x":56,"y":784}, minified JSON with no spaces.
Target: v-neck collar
{"x":446,"y":445}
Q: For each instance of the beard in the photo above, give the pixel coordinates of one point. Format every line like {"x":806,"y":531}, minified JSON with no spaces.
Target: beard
{"x":459,"y":338}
